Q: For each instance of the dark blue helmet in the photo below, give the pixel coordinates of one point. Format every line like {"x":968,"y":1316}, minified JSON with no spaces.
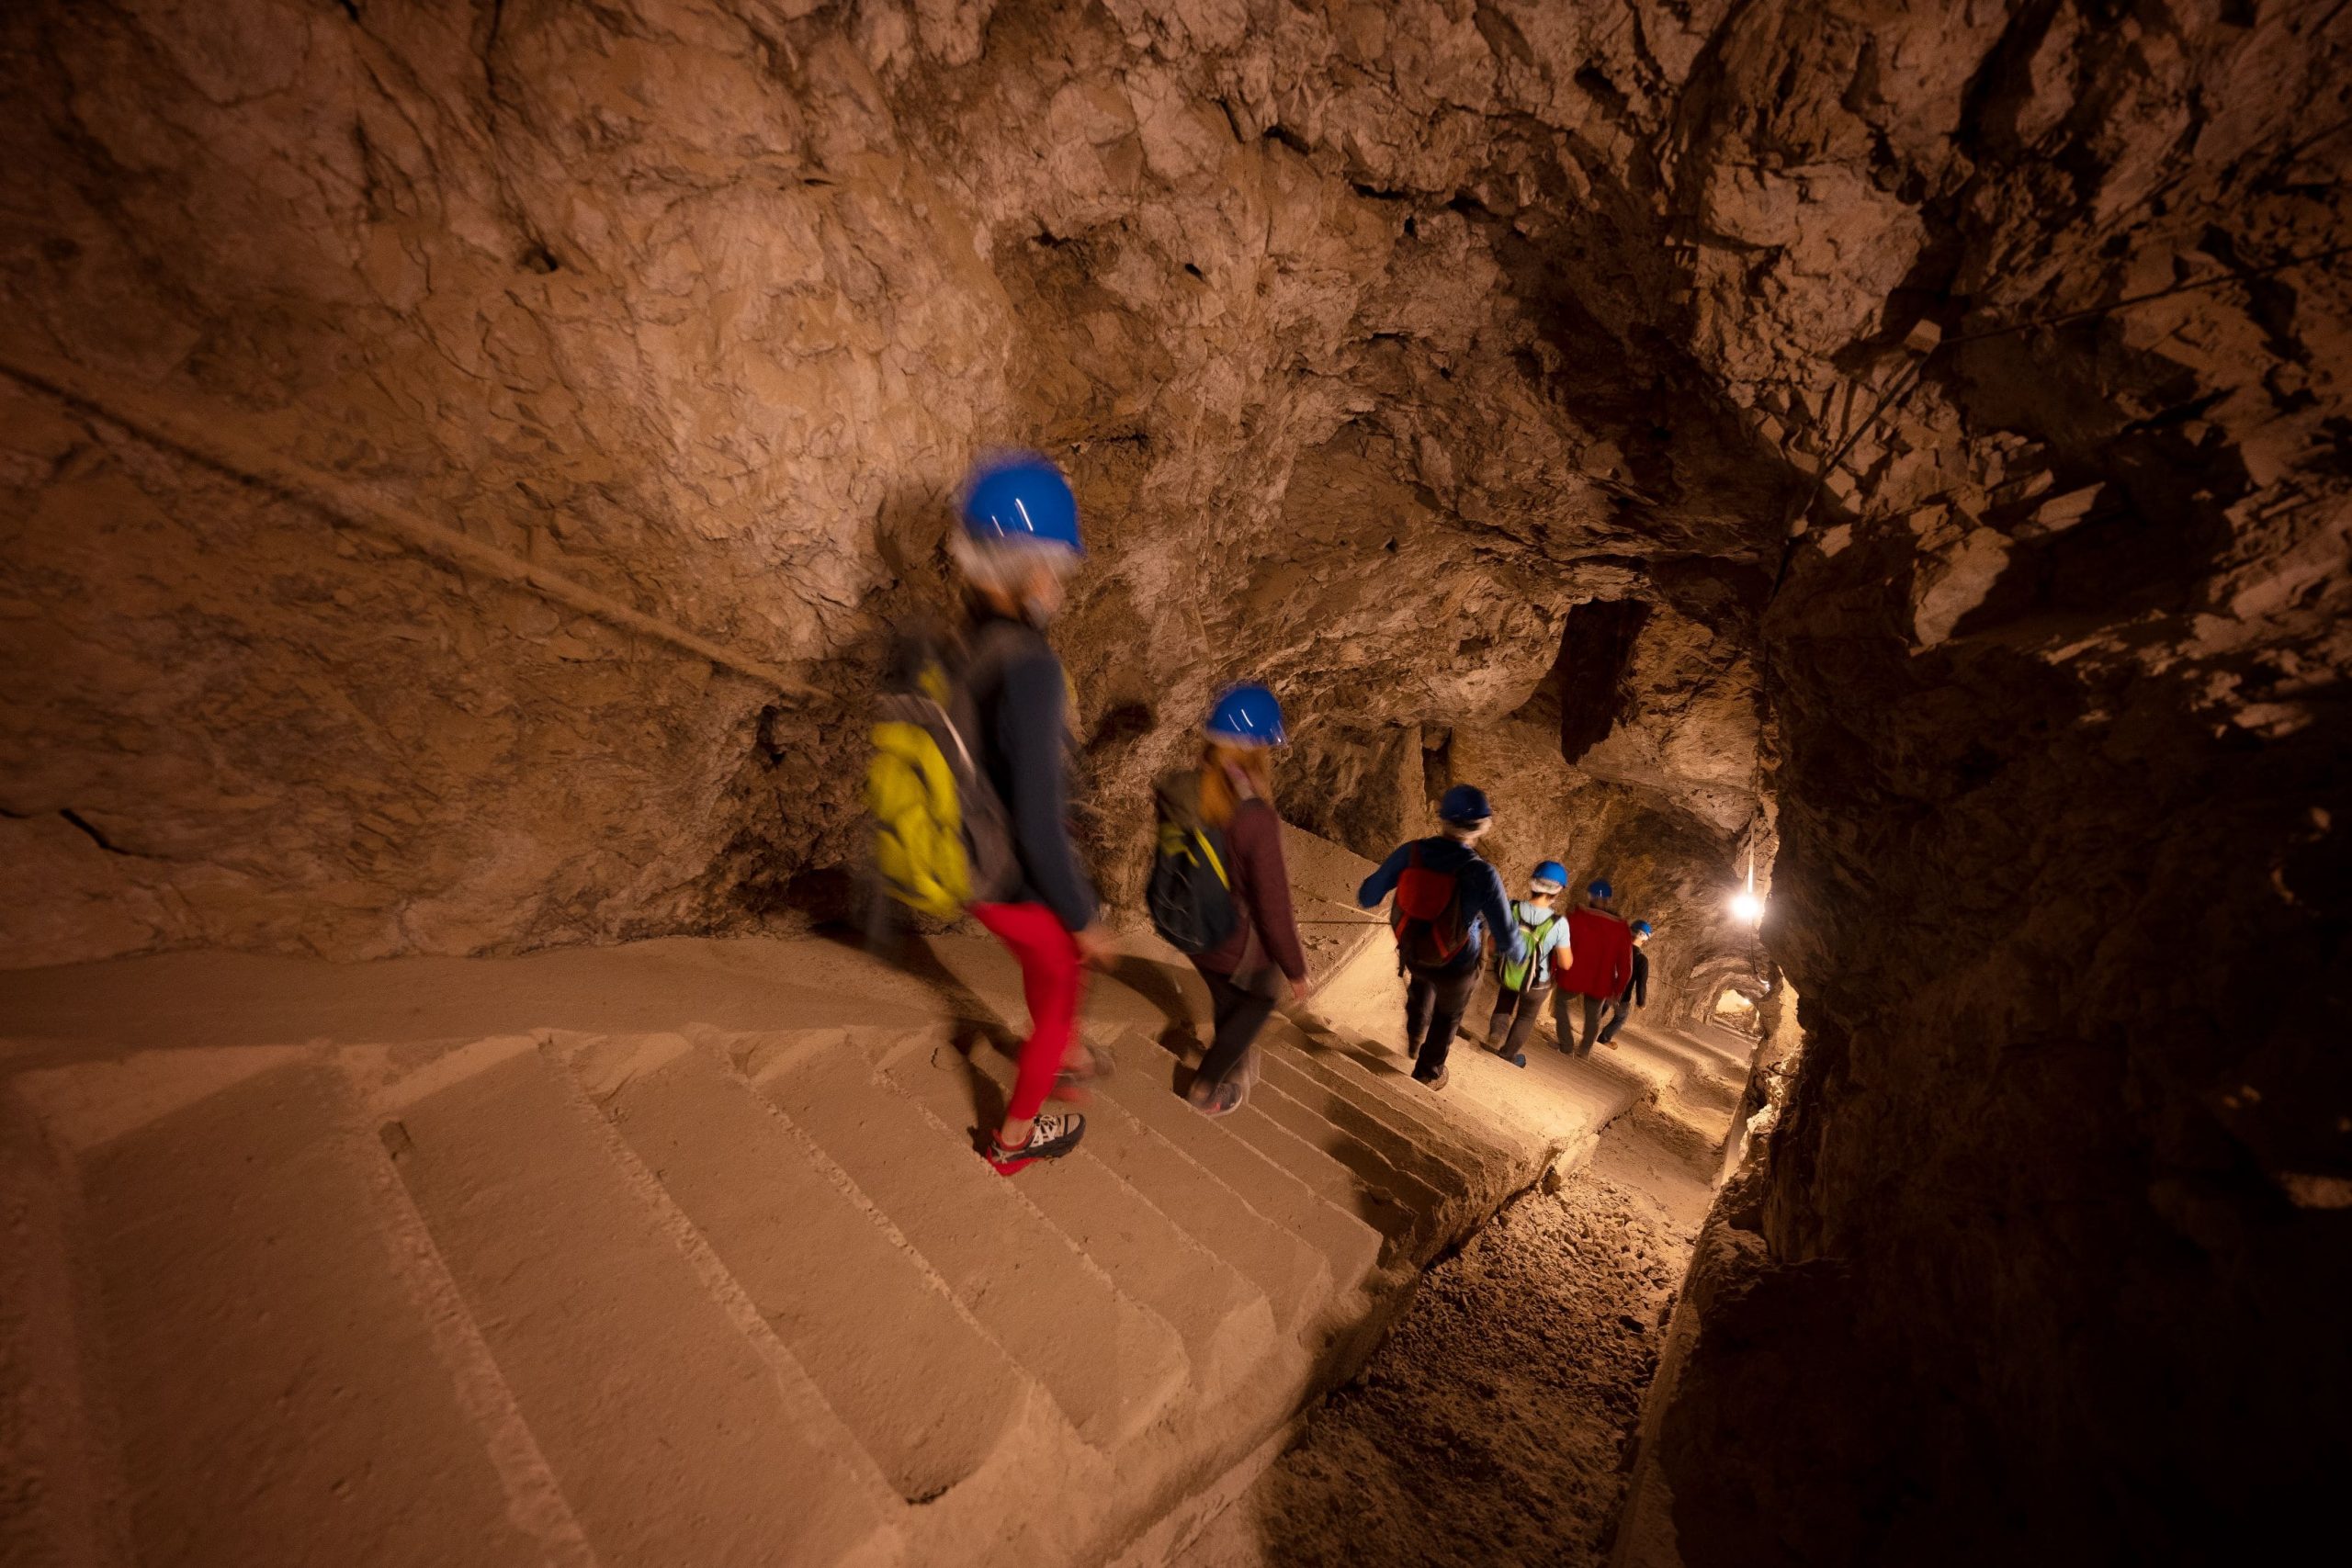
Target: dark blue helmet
{"x":1640,"y":928}
{"x":1465,"y":805}
{"x":1599,"y":888}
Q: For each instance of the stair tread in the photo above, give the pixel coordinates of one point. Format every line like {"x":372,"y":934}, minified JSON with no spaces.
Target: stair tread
{"x":663,"y":1420}
{"x":1399,"y":1102}
{"x":1412,"y":1151}
{"x":1226,"y":1324}
{"x":1350,"y":1246}
{"x":931,"y":1401}
{"x":1110,"y":1364}
{"x":270,"y":1354}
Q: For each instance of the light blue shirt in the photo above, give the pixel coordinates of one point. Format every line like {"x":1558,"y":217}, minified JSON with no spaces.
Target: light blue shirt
{"x":1540,"y":948}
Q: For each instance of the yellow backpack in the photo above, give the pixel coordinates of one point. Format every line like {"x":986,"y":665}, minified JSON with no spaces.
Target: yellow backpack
{"x":942,"y":840}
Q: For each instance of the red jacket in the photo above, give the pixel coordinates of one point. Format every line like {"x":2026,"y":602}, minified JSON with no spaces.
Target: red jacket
{"x":1602,"y":957}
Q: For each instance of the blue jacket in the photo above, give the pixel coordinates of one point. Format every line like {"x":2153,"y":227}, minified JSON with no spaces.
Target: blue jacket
{"x":1485,"y":905}
{"x":1024,"y":744}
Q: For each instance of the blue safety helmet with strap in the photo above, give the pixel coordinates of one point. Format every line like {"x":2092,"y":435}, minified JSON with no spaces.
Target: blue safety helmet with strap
{"x":1247,"y":716}
{"x":1020,"y":498}
{"x":1640,"y":928}
{"x":1550,"y":877}
{"x":1599,"y":888}
{"x":1465,"y":805}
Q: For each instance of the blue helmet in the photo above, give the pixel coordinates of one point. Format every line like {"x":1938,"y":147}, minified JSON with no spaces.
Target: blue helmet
{"x":1599,"y":888}
{"x":1465,"y":805}
{"x":1021,"y":496}
{"x":1550,"y":877}
{"x":1247,"y":716}
{"x":1640,"y":928}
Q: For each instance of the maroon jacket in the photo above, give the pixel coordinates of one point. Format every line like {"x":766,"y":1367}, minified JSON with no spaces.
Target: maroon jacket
{"x":1254,"y":842}
{"x":1261,"y":881}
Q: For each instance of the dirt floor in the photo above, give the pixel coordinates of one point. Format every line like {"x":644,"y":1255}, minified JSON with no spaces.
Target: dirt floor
{"x":1497,"y":1425}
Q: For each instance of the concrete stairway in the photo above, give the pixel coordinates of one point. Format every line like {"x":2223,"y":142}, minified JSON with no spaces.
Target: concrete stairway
{"x":737,"y":1291}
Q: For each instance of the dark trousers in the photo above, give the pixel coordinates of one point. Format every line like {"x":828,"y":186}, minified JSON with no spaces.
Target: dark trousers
{"x":1593,"y":1007}
{"x":1434,"y":1003}
{"x":1519,"y":1012}
{"x":1241,"y":1004}
{"x":1618,"y":1011}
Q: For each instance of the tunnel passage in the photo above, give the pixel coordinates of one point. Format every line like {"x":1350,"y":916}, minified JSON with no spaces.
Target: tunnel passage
{"x":1925,"y":421}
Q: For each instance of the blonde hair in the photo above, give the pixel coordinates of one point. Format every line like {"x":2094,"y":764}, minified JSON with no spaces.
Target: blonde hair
{"x":1219,"y":799}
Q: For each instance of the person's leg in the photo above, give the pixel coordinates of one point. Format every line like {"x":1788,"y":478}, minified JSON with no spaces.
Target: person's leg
{"x":1053,"y":980}
{"x":1618,"y":1012}
{"x":1531,"y":1007}
{"x":1419,"y":997}
{"x":1591,"y":1025}
{"x":1238,"y":1019}
{"x":1507,"y":1002}
{"x":1450,"y":998}
{"x":1563,"y":1029}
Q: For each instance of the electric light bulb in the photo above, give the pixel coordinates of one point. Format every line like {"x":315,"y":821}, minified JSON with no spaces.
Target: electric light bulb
{"x":1747,"y":907}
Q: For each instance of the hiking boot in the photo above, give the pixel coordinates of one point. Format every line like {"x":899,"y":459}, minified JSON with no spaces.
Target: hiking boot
{"x":1517,"y":1058}
{"x":1055,"y":1134}
{"x":1437,"y":1082}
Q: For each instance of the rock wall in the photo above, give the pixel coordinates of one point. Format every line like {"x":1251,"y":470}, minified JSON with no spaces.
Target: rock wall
{"x":1906,"y":439}
{"x":706,"y":307}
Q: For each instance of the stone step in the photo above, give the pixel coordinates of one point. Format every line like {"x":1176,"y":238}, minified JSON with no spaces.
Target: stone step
{"x":1227,"y":1326}
{"x":1350,"y":1247}
{"x":1414,"y":1150}
{"x":931,"y":1401}
{"x":667,"y":1410}
{"x":277,"y":1393}
{"x":1321,"y":1156}
{"x":1285,"y":1269}
{"x":1110,"y":1363}
{"x":1380,"y":1163}
{"x":1399,"y":1102}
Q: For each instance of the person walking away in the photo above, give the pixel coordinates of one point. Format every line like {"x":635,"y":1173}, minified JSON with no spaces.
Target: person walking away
{"x":1018,"y":546}
{"x":1601,"y":963}
{"x":1523,"y":989}
{"x":1447,"y":900}
{"x":1636,"y":993}
{"x":1230,"y":793}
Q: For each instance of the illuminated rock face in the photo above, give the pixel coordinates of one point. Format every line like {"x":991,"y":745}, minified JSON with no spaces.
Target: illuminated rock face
{"x":1388,"y":347}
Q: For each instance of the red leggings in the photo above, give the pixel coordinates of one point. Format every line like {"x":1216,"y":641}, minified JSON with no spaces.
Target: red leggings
{"x":1053,"y":979}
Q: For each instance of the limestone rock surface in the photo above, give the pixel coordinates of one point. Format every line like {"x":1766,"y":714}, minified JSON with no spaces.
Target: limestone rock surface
{"x":1905,"y":441}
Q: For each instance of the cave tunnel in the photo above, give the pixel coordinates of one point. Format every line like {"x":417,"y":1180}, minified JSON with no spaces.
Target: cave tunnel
{"x":1870,"y":482}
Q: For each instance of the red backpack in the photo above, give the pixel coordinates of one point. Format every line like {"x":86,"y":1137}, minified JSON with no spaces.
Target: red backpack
{"x":1430,"y":931}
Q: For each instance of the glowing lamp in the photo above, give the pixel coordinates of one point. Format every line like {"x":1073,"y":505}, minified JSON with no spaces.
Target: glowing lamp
{"x":1746,"y":905}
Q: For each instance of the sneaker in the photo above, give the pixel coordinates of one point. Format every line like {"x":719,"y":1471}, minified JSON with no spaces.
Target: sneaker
{"x":1223,"y":1101}
{"x":1517,"y":1058}
{"x":1069,"y":1084}
{"x":1437,"y":1082}
{"x":1054,"y":1134}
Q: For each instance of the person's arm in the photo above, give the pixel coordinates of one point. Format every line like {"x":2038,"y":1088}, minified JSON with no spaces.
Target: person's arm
{"x":1265,"y":888}
{"x":1641,"y":979}
{"x":1380,"y":883}
{"x":1030,"y":732}
{"x":1622,"y":976}
{"x":1494,"y":904}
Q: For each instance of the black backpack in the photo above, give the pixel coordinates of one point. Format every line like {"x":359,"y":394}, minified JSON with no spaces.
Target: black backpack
{"x":1190,"y":893}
